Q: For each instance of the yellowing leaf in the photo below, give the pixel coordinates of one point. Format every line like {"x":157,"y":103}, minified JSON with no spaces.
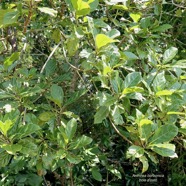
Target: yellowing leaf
{"x":132,"y":90}
{"x":4,"y":127}
{"x":72,"y":45}
{"x":135,"y":17}
{"x":11,"y":59}
{"x":164,"y":93}
{"x":176,"y":113}
{"x":81,"y":7}
{"x":107,"y":70}
{"x":103,"y":40}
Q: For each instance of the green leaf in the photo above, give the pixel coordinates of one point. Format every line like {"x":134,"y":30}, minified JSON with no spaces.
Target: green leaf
{"x":57,"y":94}
{"x":103,"y":40}
{"x":81,"y":7}
{"x":4,"y":94}
{"x":4,"y":157}
{"x":13,"y":148}
{"x":135,"y":17}
{"x":162,"y":28}
{"x":93,"y":4}
{"x":56,"y":35}
{"x":113,"y":33}
{"x":178,"y":64}
{"x":11,"y":59}
{"x":145,"y":163}
{"x":74,"y":159}
{"x":28,"y":147}
{"x":159,"y":81}
{"x":130,"y":56}
{"x":132,"y":79}
{"x":114,"y":171}
{"x":169,"y":54}
{"x":164,"y":133}
{"x":106,"y":100}
{"x":49,"y":11}
{"x":4,"y":127}
{"x":101,"y":114}
{"x":50,"y":67}
{"x":71,"y":128}
{"x":116,"y":114}
{"x":8,"y":17}
{"x":96,"y":174}
{"x":72,"y":45}
{"x":74,"y":96}
{"x":145,"y":129}
{"x":26,"y":130}
{"x":80,"y":142}
{"x":46,"y":116}
{"x":165,"y":149}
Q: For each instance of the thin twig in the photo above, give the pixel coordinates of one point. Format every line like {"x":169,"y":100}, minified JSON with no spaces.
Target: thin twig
{"x":49,"y":57}
{"x":180,"y":6}
{"x":119,"y":132}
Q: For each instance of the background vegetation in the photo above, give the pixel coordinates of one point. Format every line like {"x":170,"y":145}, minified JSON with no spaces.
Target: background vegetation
{"x":92,"y":92}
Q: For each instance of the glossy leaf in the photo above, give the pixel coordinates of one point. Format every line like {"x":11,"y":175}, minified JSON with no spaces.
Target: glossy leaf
{"x":165,"y":149}
{"x":49,"y":11}
{"x":169,"y":54}
{"x":159,"y":81}
{"x":101,"y":114}
{"x":132,"y":79}
{"x":164,"y":133}
{"x":145,"y":129}
{"x":135,"y":151}
{"x":71,"y":128}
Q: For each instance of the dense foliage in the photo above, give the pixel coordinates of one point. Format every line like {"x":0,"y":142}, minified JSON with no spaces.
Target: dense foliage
{"x":92,"y":92}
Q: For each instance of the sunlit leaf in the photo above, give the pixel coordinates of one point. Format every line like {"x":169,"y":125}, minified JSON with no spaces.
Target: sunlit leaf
{"x":103,"y":40}
{"x":164,"y":93}
{"x":49,"y":11}
{"x":5,"y":126}
{"x":169,"y":54}
{"x":135,"y":17}
{"x":71,"y":129}
{"x":165,"y":149}
{"x":132,"y":79}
